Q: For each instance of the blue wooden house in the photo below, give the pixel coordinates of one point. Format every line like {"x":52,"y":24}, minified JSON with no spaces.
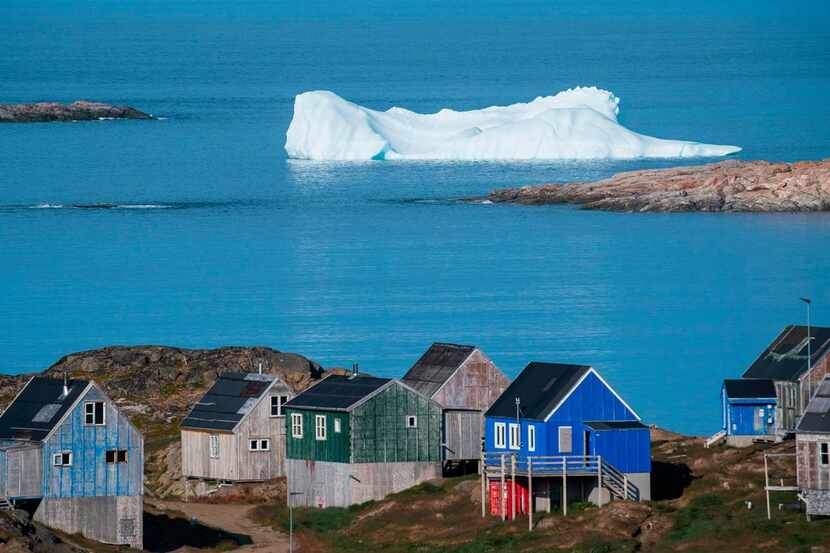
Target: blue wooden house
{"x":565,"y":422}
{"x":66,"y":447}
{"x":748,"y":410}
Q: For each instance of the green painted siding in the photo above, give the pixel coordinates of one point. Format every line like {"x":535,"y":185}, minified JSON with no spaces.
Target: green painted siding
{"x":379,"y":432}
{"x":334,"y":448}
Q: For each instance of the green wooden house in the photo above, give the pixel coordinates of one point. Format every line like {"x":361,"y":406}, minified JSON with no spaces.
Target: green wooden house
{"x":358,"y":438}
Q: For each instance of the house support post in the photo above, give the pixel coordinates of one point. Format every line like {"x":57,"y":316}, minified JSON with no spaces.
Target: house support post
{"x":599,"y":480}
{"x":766,"y":486}
{"x":625,"y":487}
{"x":564,"y":487}
{"x":482,"y":468}
{"x":529,"y":494}
{"x":513,"y":483}
{"x":503,"y":492}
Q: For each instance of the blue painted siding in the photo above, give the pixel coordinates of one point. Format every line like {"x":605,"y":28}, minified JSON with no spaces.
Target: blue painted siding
{"x":490,"y":436}
{"x":90,"y":474}
{"x":628,"y":450}
{"x":739,"y":416}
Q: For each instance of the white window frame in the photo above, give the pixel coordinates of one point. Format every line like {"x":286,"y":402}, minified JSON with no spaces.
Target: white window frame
{"x":320,"y":428}
{"x":213,"y":446}
{"x":87,"y":405}
{"x":297,"y":425}
{"x":824,"y":454}
{"x":281,"y":401}
{"x":499,"y":435}
{"x":337,"y":427}
{"x":531,"y":437}
{"x":411,"y":421}
{"x":59,"y":458}
{"x":514,"y":435}
{"x":259,"y":444}
{"x":570,"y":448}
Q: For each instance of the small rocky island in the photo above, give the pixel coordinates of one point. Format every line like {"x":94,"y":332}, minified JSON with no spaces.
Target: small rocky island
{"x":728,"y":186}
{"x":76,"y":111}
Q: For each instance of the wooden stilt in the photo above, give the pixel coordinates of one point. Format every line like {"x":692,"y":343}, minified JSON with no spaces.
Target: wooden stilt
{"x":529,"y":494}
{"x":599,"y":481}
{"x":625,"y":487}
{"x":564,"y":487}
{"x":513,"y":484}
{"x":483,"y":469}
{"x":503,"y":492}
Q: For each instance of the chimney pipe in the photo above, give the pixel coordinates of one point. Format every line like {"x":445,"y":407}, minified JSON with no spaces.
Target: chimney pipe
{"x":355,"y":370}
{"x":260,"y":368}
{"x":65,"y":384}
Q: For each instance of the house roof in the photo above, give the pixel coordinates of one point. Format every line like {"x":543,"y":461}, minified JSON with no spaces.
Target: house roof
{"x":436,"y":366}
{"x":38,"y":408}
{"x":615,"y":425}
{"x":540,"y":387}
{"x":786,"y":357}
{"x":750,"y":388}
{"x":337,"y":392}
{"x":816,"y":417}
{"x":229,"y":400}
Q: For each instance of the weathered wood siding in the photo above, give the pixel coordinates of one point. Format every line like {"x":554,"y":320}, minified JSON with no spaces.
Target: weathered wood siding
{"x":113,"y":520}
{"x":90,"y":474}
{"x":335,"y":448}
{"x":196,"y":460}
{"x":788,"y":405}
{"x":21,"y":473}
{"x":324,"y":484}
{"x":379,"y":433}
{"x":809,"y":383}
{"x":811,"y":475}
{"x":462,"y":435}
{"x":475,"y":385}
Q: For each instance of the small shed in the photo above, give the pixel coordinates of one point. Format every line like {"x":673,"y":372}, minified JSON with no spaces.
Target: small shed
{"x":749,"y":409}
{"x":812,"y":448}
{"x":236,"y":431}
{"x":359,"y":438}
{"x":465,"y":382}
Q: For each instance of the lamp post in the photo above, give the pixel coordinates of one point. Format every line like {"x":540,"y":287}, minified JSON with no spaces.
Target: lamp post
{"x":291,"y":520}
{"x":808,"y":302}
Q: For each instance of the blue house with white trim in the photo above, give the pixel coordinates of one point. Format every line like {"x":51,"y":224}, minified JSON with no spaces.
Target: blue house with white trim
{"x":65,"y":446}
{"x":567,"y":419}
{"x":749,"y":410}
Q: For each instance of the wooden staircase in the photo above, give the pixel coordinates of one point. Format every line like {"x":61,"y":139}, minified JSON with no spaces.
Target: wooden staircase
{"x":617,"y":483}
{"x":5,"y":504}
{"x":714,"y":438}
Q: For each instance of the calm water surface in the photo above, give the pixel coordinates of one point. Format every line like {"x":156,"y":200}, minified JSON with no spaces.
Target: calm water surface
{"x":370,"y":262}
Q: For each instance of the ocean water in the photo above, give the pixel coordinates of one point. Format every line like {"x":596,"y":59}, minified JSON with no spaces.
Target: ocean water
{"x":210,"y":236}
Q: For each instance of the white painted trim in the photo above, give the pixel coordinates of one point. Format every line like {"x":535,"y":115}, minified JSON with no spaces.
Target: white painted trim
{"x":531,"y":437}
{"x":93,"y":402}
{"x":17,"y":395}
{"x":518,"y":427}
{"x":576,"y":385}
{"x":496,"y":427}
{"x":258,"y":442}
{"x":295,"y":416}
{"x":69,"y":411}
{"x":317,"y":427}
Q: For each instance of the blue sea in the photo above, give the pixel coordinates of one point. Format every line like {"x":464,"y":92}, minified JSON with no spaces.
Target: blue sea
{"x":212,"y":237}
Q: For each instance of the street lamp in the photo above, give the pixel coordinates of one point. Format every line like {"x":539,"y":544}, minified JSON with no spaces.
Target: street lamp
{"x":291,"y":520}
{"x":808,"y":302}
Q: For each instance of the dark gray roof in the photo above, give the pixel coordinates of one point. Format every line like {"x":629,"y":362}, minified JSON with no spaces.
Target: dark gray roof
{"x":750,"y":388}
{"x":786,"y":356}
{"x":540,"y":387}
{"x":39,"y":408}
{"x":816,"y":417}
{"x":228,"y":401}
{"x":435,"y":366}
{"x":615,"y":425}
{"x":337,"y":392}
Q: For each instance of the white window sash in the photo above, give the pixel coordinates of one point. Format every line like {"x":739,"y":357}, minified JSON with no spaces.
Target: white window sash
{"x":531,"y":438}
{"x":297,"y":425}
{"x":337,"y":426}
{"x":320,"y":427}
{"x":413,"y":419}
{"x":515,"y":436}
{"x":499,"y":435}
{"x":213,"y":444}
{"x":89,"y":411}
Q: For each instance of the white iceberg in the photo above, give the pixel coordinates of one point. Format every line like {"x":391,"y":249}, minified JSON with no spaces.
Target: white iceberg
{"x":579,"y":123}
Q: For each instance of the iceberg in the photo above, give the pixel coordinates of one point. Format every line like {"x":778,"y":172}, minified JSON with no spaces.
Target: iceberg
{"x":578,"y":123}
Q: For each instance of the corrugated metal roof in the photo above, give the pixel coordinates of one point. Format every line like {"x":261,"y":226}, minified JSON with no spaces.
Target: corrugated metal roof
{"x":750,"y":388}
{"x":786,"y":356}
{"x":614,"y":425}
{"x":435,"y":366}
{"x":38,"y":408}
{"x":228,"y":401}
{"x":337,"y":392}
{"x":816,"y":417}
{"x":539,"y":387}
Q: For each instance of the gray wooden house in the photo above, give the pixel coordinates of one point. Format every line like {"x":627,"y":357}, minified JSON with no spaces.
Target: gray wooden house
{"x":812,"y":448}
{"x":352,"y":439}
{"x":65,"y":446}
{"x":465,"y":382}
{"x":236,"y":432}
{"x":796,"y":377}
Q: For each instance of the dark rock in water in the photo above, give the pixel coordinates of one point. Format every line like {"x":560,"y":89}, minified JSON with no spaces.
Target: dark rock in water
{"x":76,"y":111}
{"x":731,"y":185}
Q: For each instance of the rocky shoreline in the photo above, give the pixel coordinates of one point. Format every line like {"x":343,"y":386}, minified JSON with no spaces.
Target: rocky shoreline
{"x":728,"y":186}
{"x":81,"y":110}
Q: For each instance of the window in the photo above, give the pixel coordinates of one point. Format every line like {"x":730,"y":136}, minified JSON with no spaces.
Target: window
{"x":499,"y":435}
{"x":515,"y":436}
{"x":320,"y":427}
{"x":337,"y":426}
{"x":296,"y":425}
{"x":277,"y":403}
{"x":214,"y":446}
{"x":566,"y":439}
{"x":824,"y":454}
{"x":531,"y":438}
{"x":116,"y":456}
{"x":259,"y":445}
{"x":411,"y":421}
{"x":62,"y":459}
{"x":94,"y":413}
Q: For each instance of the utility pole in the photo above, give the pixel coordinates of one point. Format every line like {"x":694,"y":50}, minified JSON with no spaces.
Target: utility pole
{"x":809,"y":350}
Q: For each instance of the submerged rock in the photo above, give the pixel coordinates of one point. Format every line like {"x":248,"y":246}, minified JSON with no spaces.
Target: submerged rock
{"x":731,"y":185}
{"x":76,"y":111}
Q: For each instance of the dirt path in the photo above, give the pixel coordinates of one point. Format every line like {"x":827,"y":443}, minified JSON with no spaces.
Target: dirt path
{"x":233,"y":518}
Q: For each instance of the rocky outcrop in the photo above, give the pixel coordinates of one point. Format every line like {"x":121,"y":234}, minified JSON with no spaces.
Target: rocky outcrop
{"x":19,"y":535}
{"x":730,"y":185}
{"x":76,"y":111}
